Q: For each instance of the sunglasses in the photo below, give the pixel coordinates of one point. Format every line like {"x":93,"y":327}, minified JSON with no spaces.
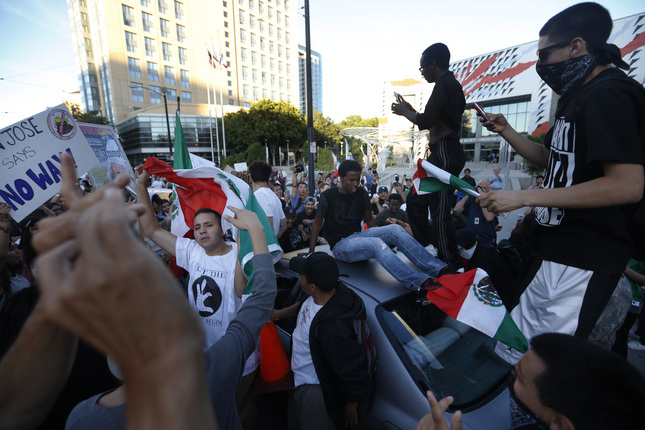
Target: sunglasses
{"x":543,"y":53}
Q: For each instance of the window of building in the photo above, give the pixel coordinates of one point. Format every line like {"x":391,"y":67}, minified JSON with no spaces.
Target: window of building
{"x":242,"y":35}
{"x":181,"y":33}
{"x":169,"y":74}
{"x":280,"y":66}
{"x":227,"y":44}
{"x":136,"y":90}
{"x":86,"y":29}
{"x":186,"y":96}
{"x":230,"y":92}
{"x":261,"y":7}
{"x":184,"y":78}
{"x":242,"y":18}
{"x":281,"y":81}
{"x":264,"y":78}
{"x":286,"y":21}
{"x":279,"y":51}
{"x":254,"y":73}
{"x":230,"y":83}
{"x":230,"y":101}
{"x":256,"y":94}
{"x":265,"y":94}
{"x":287,"y":38}
{"x":279,"y":34}
{"x":228,"y":64}
{"x":163,"y":6}
{"x":153,"y":72}
{"x":128,"y":15}
{"x":164,"y":24}
{"x":183,"y":56}
{"x":288,"y":54}
{"x":226,"y":33}
{"x":225,"y":14}
{"x":155,"y":95}
{"x":151,"y":46}
{"x":270,"y":30}
{"x":264,"y":61}
{"x":251,"y":21}
{"x":288,"y":84}
{"x":286,"y":4}
{"x":226,"y":25}
{"x":278,"y":17}
{"x":271,"y":48}
{"x":147,"y":22}
{"x":224,"y":4}
{"x":261,"y":26}
{"x":253,"y":39}
{"x":245,"y":91}
{"x":146,"y":3}
{"x":171,"y":94}
{"x":245,"y":73}
{"x":288,"y":69}
{"x":240,"y":2}
{"x":263,"y":44}
{"x":228,"y":73}
{"x":131,"y":41}
{"x":84,"y":17}
{"x":228,"y":54}
{"x":274,"y":96}
{"x":254,"y":58}
{"x":179,"y":10}
{"x":88,"y":47}
{"x":247,"y":105}
{"x":272,"y":61}
{"x":243,"y":54}
{"x":167,"y":51}
{"x":270,"y":12}
{"x":272,"y":81}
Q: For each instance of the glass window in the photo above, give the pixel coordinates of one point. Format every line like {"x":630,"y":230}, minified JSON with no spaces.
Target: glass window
{"x":256,"y":94}
{"x":146,"y":3}
{"x":151,"y":46}
{"x":181,"y":33}
{"x":274,"y":96}
{"x":288,"y":84}
{"x":272,"y":81}
{"x":224,"y":4}
{"x":442,"y":353}
{"x":255,"y":76}
{"x":242,"y":35}
{"x":243,"y":54}
{"x":84,"y":17}
{"x":261,"y":7}
{"x":261,"y":26}
{"x":179,"y":10}
{"x":281,"y":83}
{"x":147,"y":22}
{"x":226,"y":33}
{"x":183,"y":56}
{"x":253,"y":39}
{"x":246,"y":105}
{"x":265,"y":94}
{"x":245,"y":91}
{"x":286,"y":20}
{"x":270,"y":12}
{"x":252,"y":21}
{"x":270,"y":30}
{"x":88,"y":47}
{"x":240,"y":2}
{"x":136,"y":90}
{"x":228,"y":54}
{"x":230,"y":92}
{"x":167,"y":51}
{"x":468,"y":123}
{"x":272,"y":61}
{"x":226,"y":25}
{"x":128,"y":15}
{"x":134,"y":68}
{"x":271,"y":47}
{"x":131,"y":41}
{"x":169,"y":73}
{"x":186,"y":97}
{"x":263,"y":44}
{"x":280,"y":66}
{"x":251,"y":4}
{"x":163,"y":6}
{"x":228,"y":73}
{"x":279,"y":34}
{"x":184,"y":78}
{"x":264,"y":79}
{"x":264,"y":61}
{"x":279,"y":17}
{"x":155,"y":95}
{"x":165,"y":27}
{"x":287,"y":38}
{"x":280,"y":51}
{"x":171,"y":93}
{"x":230,"y":83}
{"x":245,"y":73}
{"x":230,"y":101}
{"x":254,"y":58}
{"x":242,"y":20}
{"x":288,"y":54}
{"x":153,"y":72}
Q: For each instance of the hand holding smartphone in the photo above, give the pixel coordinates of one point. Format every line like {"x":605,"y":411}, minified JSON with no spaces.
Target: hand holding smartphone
{"x":483,"y":114}
{"x":398,"y":97}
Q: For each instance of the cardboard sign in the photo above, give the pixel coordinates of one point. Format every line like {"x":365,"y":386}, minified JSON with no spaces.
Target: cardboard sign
{"x":112,"y":160}
{"x":30,"y":153}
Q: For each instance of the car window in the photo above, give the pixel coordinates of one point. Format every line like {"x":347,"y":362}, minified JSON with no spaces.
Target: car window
{"x":443,"y":354}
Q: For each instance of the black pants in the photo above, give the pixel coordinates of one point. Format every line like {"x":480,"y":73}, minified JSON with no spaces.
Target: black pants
{"x":448,"y":155}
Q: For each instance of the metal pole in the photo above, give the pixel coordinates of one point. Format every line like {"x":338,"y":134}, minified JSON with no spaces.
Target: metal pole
{"x":165,"y":103}
{"x":310,"y":112}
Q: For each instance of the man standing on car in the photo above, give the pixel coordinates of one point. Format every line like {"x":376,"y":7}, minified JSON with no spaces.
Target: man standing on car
{"x":329,"y":363}
{"x":442,"y":118}
{"x":594,"y":169}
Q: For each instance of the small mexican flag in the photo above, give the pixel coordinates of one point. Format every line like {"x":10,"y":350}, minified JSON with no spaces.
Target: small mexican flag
{"x":429,"y":178}
{"x":209,"y":187}
{"x":472,"y":299}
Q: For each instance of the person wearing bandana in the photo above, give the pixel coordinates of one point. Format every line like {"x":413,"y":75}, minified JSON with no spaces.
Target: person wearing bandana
{"x":593,"y":155}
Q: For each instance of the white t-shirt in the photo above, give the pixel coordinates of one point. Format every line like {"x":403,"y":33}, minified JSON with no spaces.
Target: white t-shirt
{"x":302,"y":364}
{"x":271,"y":205}
{"x":158,"y":184}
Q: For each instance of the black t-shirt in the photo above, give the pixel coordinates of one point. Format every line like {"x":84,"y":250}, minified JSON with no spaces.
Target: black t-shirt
{"x":303,"y":216}
{"x":470,"y":180}
{"x":446,"y":103}
{"x":343,"y":213}
{"x":598,"y":123}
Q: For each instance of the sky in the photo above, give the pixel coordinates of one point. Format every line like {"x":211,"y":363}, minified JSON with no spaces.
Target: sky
{"x":362,"y":42}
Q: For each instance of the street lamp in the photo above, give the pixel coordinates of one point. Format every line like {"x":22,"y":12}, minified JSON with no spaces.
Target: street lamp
{"x":165,"y":103}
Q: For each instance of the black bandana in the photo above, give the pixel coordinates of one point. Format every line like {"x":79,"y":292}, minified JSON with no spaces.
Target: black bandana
{"x":567,"y":76}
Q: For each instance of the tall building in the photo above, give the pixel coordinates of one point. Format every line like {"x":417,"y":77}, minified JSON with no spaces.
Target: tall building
{"x":132,"y":52}
{"x":316,"y":80}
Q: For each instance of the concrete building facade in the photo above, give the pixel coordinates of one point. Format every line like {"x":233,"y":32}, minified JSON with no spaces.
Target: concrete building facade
{"x":316,"y":80}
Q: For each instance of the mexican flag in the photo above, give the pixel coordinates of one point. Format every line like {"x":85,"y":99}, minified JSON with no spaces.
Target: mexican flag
{"x":429,"y":178}
{"x":209,"y":187}
{"x":472,"y":299}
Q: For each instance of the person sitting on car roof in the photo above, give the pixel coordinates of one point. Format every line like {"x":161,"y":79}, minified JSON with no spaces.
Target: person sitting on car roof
{"x":344,"y":208}
{"x":328,"y":362}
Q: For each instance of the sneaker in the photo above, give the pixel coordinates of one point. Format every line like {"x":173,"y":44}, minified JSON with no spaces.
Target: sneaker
{"x":636,"y":345}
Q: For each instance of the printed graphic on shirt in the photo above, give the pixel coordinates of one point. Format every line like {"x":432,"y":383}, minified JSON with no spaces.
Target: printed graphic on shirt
{"x":207,"y":296}
{"x":559,"y":170}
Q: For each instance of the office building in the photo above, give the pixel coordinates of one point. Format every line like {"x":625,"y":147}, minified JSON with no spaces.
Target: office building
{"x":132,"y":52}
{"x":316,"y":80}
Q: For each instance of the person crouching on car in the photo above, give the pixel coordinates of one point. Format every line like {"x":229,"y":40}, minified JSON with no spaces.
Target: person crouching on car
{"x":328,"y":362}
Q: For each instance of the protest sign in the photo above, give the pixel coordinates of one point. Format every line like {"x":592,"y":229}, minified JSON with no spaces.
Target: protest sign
{"x":30,"y":153}
{"x":112,"y":160}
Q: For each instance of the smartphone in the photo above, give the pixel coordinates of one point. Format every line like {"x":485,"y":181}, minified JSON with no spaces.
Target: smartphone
{"x":481,"y":113}
{"x":396,"y":178}
{"x":398,"y":97}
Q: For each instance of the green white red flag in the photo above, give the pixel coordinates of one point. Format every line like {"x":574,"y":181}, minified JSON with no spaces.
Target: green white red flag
{"x":472,"y":299}
{"x":209,"y":187}
{"x":429,"y":178}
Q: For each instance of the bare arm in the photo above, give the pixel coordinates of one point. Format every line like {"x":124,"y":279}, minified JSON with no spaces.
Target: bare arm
{"x":294,"y":183}
{"x":369,"y":219}
{"x":622,"y":184}
{"x":634,"y":276}
{"x":459,"y":207}
{"x":283,"y":228}
{"x":149,"y":223}
{"x":287,"y":312}
{"x":43,"y":354}
{"x":239,"y":280}
{"x":315,"y":232}
{"x":535,"y":152}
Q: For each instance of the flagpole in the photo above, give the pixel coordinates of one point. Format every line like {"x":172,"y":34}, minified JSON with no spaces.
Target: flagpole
{"x":221,"y":99}
{"x":219,"y":155}
{"x":210,"y":116}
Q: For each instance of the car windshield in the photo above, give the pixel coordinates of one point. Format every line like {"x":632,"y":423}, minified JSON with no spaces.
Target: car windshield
{"x":443,"y":354}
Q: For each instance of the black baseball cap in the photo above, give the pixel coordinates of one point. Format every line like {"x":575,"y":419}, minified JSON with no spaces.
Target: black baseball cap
{"x":289,"y":211}
{"x":381,"y":189}
{"x":319,"y":268}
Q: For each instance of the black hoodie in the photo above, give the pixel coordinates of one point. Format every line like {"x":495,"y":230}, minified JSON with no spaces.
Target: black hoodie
{"x":339,"y":359}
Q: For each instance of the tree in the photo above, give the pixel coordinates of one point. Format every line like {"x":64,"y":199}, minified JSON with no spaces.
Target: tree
{"x":325,"y":160}
{"x":92,"y":117}
{"x":356,"y":145}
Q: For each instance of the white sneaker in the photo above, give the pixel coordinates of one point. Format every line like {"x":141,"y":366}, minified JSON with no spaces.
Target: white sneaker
{"x":636,"y":345}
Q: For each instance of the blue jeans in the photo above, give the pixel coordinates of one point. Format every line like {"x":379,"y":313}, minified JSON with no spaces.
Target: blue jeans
{"x":375,"y":243}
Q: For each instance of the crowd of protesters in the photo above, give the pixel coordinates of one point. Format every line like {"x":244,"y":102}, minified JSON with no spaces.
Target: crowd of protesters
{"x":96,"y":332}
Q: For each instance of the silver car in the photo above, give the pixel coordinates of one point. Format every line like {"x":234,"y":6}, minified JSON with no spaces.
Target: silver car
{"x":418,"y":348}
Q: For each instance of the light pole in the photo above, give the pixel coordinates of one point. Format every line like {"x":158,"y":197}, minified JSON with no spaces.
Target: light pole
{"x":165,"y":103}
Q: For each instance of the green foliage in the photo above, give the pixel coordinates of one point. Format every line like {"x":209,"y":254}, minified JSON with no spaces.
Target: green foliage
{"x":325,"y":160}
{"x":92,"y":117}
{"x":355,"y":145}
{"x":325,"y":130}
{"x":255,"y":152}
